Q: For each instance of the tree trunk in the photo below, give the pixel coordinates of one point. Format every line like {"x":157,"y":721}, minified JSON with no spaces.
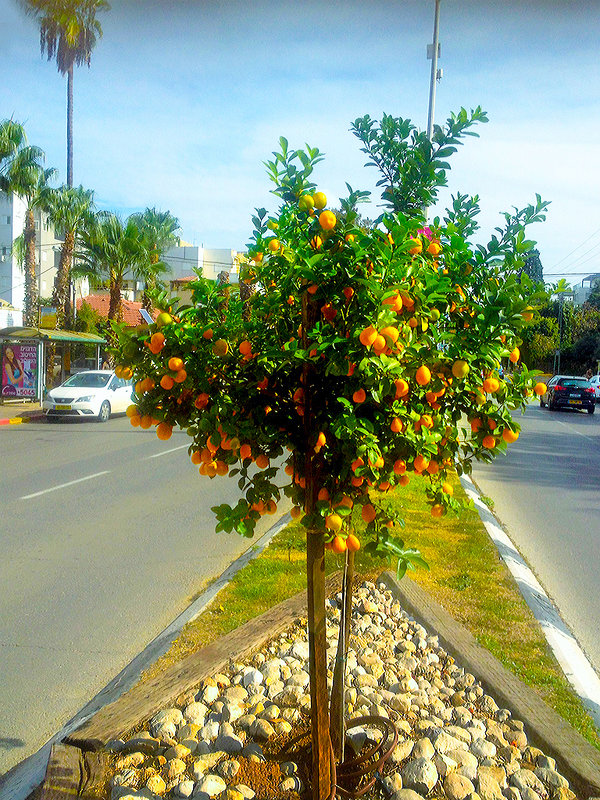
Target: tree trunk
{"x":246,"y":292}
{"x":31,"y":289}
{"x":61,"y":296}
{"x":315,"y":574}
{"x":70,"y":126}
{"x":115,"y":306}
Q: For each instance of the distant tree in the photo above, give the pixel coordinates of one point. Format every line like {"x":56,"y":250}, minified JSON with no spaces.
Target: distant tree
{"x":594,"y":298}
{"x":68,"y":32}
{"x":533,"y":266}
{"x":12,"y":138}
{"x":159,"y":232}
{"x":27,"y":178}
{"x":71,"y":211}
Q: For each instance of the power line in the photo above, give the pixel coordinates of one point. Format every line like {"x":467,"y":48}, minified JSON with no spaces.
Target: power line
{"x":591,"y":236}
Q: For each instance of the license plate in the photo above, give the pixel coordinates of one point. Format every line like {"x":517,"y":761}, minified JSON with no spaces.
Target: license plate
{"x":62,"y":408}
{"x":575,"y":402}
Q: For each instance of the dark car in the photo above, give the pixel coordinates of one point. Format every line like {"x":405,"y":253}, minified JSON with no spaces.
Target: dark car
{"x":568,"y":391}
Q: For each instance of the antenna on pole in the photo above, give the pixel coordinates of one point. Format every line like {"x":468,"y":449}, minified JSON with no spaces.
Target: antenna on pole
{"x":433,"y":52}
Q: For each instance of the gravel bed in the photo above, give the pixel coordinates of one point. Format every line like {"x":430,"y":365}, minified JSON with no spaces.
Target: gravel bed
{"x":454,"y":740}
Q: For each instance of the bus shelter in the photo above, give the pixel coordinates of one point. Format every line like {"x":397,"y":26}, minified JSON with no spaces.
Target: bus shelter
{"x":24,"y":358}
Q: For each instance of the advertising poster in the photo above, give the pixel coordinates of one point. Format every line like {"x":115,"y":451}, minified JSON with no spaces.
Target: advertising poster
{"x":19,"y":370}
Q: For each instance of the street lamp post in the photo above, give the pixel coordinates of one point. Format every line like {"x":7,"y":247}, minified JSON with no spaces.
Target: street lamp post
{"x":433,"y":51}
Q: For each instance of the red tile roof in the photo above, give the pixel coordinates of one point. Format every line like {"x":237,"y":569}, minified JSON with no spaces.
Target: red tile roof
{"x":131,"y":309}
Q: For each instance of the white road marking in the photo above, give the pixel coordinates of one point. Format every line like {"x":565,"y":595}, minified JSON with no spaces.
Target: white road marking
{"x":64,"y":485}
{"x":165,"y":452}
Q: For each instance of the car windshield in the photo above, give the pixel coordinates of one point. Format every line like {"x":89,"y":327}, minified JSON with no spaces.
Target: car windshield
{"x":90,"y":380}
{"x":579,"y":383}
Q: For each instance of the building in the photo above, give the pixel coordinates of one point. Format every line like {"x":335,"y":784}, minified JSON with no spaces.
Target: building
{"x":185,"y":263}
{"x":99,"y":302}
{"x":12,"y":276}
{"x":10,"y":317}
{"x":583,"y":291}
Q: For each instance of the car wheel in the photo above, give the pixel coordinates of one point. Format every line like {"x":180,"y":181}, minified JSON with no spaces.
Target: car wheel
{"x":104,"y":413}
{"x":591,"y":409}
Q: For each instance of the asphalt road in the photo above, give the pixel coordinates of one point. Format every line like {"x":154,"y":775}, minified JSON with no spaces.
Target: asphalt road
{"x":546,"y":493}
{"x":106,"y":534}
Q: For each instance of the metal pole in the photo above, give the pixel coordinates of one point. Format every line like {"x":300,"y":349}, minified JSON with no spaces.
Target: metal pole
{"x":434,"y":68}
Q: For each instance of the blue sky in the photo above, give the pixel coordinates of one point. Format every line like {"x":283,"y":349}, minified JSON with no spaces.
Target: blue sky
{"x":184,"y":101}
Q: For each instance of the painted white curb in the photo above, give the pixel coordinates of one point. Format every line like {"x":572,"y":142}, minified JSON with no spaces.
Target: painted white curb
{"x":569,"y":654}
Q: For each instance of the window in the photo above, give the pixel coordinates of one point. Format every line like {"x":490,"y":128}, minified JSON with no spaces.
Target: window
{"x":6,"y":220}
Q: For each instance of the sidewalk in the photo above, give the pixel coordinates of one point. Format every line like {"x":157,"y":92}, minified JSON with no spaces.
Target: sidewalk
{"x":15,"y":413}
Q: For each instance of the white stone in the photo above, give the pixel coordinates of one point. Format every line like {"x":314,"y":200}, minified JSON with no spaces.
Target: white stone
{"x":211,"y":785}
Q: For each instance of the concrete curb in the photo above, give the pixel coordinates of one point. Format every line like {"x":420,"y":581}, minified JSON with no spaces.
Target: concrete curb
{"x":568,"y":653}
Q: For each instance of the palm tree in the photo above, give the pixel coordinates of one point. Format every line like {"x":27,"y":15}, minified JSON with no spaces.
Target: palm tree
{"x":27,"y":178}
{"x":12,"y":138}
{"x":110,"y":250}
{"x":159,"y":231}
{"x":68,"y":31}
{"x":71,"y":211}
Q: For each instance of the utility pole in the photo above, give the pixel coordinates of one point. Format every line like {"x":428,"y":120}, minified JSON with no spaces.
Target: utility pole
{"x":433,"y":51}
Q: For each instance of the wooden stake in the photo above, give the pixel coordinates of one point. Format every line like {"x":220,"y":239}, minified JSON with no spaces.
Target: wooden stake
{"x":315,"y":584}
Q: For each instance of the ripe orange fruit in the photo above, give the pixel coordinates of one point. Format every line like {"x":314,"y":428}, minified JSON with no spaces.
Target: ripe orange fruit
{"x":208,"y":333}
{"x":357,"y":464}
{"x":327,"y":220}
{"x":437,"y":510}
{"x":379,"y":344}
{"x":368,"y":335}
{"x":527,"y":314}
{"x":368,"y":513}
{"x":460,"y":368}
{"x":402,"y":388}
{"x":245,"y":348}
{"x":346,"y":502}
{"x":320,"y":200}
{"x":323,"y":494}
{"x":423,"y":375}
{"x":447,"y":488}
{"x":420,"y":463}
{"x":273,"y":245}
{"x":434,"y":248}
{"x":396,"y":426}
{"x":491,"y":385}
{"x":349,"y":237}
{"x":433,"y":468}
{"x":489,"y":442}
{"x":296,"y":512}
{"x":338,"y":545}
{"x":175,"y":364}
{"x":390,"y":333}
{"x":348,"y":293}
{"x":403,"y":480}
{"x":359,"y":396}
{"x":180,"y":376}
{"x":201,"y":401}
{"x":157,"y":340}
{"x":510,"y":436}
{"x":416,"y":246}
{"x":271,"y":507}
{"x":196,"y":457}
{"x":352,"y":543}
{"x":540,"y":388}
{"x":131,"y":411}
{"x":515,"y":355}
{"x":400,"y":467}
{"x":164,"y":431}
{"x":245,"y":451}
{"x":333,"y":522}
{"x":135,"y":420}
{"x":220,"y":347}
{"x":262,"y":462}
{"x":167,"y":382}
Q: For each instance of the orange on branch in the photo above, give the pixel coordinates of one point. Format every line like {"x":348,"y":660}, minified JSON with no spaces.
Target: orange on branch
{"x":368,"y":513}
{"x":320,"y":200}
{"x":514,"y":356}
{"x":510,"y":436}
{"x":352,"y":543}
{"x":423,"y":375}
{"x":333,"y":522}
{"x":167,"y":382}
{"x":489,"y":442}
{"x":396,"y":425}
{"x":327,"y":220}
{"x":274,"y":245}
{"x":368,"y":335}
{"x":338,"y":545}
{"x":359,"y":396}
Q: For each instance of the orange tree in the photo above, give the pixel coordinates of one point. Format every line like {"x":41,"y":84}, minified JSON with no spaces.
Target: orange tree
{"x":364,"y":358}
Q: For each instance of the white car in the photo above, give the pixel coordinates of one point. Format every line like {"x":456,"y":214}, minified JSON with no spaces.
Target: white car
{"x":94,"y":393}
{"x":595,"y":381}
